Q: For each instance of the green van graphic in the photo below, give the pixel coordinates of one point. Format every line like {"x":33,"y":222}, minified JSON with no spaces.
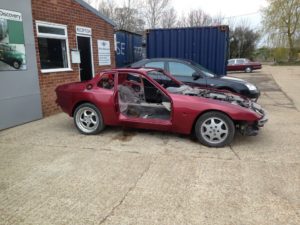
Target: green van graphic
{"x":11,"y":56}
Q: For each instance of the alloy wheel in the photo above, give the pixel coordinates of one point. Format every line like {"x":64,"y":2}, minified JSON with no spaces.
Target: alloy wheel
{"x":87,"y":119}
{"x":214,"y":130}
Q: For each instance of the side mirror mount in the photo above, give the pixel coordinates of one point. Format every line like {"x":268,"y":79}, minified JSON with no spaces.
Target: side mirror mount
{"x":196,"y":76}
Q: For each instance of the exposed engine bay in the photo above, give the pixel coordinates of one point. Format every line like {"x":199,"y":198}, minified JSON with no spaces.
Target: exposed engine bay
{"x":213,"y":94}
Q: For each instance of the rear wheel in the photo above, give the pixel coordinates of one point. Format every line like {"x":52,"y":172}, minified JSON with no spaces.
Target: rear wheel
{"x":16,"y":64}
{"x":214,"y":129}
{"x":248,"y":69}
{"x":88,"y":119}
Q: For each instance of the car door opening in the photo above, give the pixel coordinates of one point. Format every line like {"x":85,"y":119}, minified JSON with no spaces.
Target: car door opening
{"x":139,"y":98}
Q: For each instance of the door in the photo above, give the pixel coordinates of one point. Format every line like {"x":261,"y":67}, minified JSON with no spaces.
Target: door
{"x":136,"y":105}
{"x":239,"y":64}
{"x":20,"y":97}
{"x":230,"y":65}
{"x":86,"y":64}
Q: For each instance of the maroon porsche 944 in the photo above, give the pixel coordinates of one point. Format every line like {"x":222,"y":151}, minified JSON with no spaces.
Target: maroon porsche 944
{"x":134,"y":98}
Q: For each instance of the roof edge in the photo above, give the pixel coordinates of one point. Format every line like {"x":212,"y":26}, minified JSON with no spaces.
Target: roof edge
{"x":96,"y":12}
{"x":126,"y":31}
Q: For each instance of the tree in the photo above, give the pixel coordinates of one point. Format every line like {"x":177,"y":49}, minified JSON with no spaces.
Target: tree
{"x":195,"y":18}
{"x":106,"y":7}
{"x":169,"y":19}
{"x":126,"y":17}
{"x":243,"y":42}
{"x":154,"y":11}
{"x":218,"y":19}
{"x":282,"y":22}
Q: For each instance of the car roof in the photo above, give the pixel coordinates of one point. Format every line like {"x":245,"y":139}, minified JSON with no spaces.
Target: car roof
{"x":166,"y":59}
{"x":138,"y":69}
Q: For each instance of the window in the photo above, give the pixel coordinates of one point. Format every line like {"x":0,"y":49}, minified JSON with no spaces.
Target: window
{"x":231,"y":62}
{"x":156,"y":75}
{"x":106,"y":81}
{"x":53,"y":47}
{"x":240,"y":61}
{"x":160,"y":65}
{"x":180,"y":69}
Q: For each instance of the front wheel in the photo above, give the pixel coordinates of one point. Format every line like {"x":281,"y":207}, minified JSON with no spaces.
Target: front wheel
{"x":88,"y":119}
{"x":214,"y":129}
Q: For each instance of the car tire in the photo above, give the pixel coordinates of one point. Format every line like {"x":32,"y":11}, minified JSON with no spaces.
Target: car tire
{"x":16,"y":64}
{"x":248,"y":69}
{"x":88,"y":119}
{"x":214,"y":129}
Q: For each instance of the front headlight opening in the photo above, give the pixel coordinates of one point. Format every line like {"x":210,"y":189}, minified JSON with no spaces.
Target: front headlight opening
{"x":251,"y":87}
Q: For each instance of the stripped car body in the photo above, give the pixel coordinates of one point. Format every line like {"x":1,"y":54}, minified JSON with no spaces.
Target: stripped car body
{"x":131,"y":97}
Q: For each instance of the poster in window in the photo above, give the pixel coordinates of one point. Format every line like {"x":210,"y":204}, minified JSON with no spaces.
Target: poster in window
{"x":12,"y":46}
{"x":104,"y":53}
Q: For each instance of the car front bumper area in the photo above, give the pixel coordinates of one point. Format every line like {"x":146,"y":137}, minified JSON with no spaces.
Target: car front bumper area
{"x":254,"y":95}
{"x":251,"y":129}
{"x":262,"y":121}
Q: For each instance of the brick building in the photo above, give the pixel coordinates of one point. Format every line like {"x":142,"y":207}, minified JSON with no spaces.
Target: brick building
{"x":63,"y":41}
{"x":83,"y":27}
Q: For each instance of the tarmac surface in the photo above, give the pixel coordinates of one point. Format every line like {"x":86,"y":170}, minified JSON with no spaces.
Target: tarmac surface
{"x":51,"y":174}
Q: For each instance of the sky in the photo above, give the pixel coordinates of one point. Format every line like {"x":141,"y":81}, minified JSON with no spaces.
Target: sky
{"x":238,"y":9}
{"x":248,"y":10}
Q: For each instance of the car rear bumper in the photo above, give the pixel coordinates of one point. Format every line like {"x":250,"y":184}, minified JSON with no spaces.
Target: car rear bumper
{"x":256,"y":67}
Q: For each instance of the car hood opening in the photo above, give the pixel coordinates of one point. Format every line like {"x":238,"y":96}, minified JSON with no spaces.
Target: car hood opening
{"x":213,"y":94}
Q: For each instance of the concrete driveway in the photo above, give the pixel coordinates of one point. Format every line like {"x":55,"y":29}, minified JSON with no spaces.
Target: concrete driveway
{"x":50,"y":174}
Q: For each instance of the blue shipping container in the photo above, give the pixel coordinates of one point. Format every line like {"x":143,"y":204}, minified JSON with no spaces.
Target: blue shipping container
{"x":207,"y":46}
{"x":128,"y":48}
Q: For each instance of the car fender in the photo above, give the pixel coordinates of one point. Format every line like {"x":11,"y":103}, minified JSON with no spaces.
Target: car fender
{"x":187,"y":110}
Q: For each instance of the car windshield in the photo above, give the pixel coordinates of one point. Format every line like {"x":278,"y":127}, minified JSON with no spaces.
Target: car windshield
{"x":205,"y":71}
{"x":163,"y":79}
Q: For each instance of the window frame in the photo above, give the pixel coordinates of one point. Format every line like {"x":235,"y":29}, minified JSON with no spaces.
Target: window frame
{"x":55,"y":36}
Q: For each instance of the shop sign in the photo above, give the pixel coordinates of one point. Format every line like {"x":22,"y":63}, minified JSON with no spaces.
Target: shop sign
{"x":104,"y":53}
{"x":83,"y":30}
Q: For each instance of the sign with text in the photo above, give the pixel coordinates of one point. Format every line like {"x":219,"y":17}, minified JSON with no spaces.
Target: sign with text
{"x":104,"y":53}
{"x":12,"y":44}
{"x":75,"y":55}
{"x":83,"y":30}
{"x":10,"y":15}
